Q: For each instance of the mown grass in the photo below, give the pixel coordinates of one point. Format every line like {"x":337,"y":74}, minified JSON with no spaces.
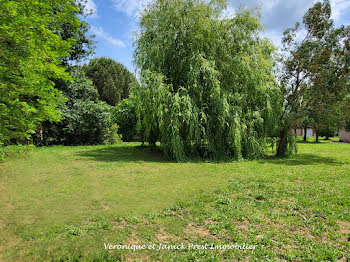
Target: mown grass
{"x":64,"y":203}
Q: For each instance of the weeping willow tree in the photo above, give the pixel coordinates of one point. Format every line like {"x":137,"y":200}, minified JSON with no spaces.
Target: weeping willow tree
{"x":207,"y":86}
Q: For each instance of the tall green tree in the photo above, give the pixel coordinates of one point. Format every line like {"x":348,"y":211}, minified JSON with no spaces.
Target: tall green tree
{"x":31,"y":53}
{"x":84,"y":43}
{"x":207,"y":85}
{"x":316,"y":71}
{"x":112,"y":79}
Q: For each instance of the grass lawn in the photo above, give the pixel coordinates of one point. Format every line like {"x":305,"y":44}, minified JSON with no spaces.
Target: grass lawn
{"x":65,"y":203}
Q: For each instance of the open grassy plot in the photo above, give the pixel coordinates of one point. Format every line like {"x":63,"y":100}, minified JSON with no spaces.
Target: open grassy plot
{"x":64,"y":203}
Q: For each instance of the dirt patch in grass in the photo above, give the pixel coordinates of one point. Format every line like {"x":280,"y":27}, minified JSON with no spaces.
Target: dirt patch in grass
{"x":344,"y":227}
{"x":133,"y":239}
{"x":177,"y":214}
{"x":208,"y":221}
{"x":131,"y":257}
{"x":105,"y":206}
{"x":2,"y":224}
{"x":162,"y":236}
{"x":242,"y":225}
{"x":344,"y":230}
{"x":194,"y":229}
{"x":119,"y":224}
{"x":8,"y":241}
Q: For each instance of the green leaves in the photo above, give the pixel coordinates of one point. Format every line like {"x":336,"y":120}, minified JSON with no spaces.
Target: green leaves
{"x":30,"y":53}
{"x":111,"y":78}
{"x":316,"y":72}
{"x":85,"y":119}
{"x":125,"y":117}
{"x":207,"y":88}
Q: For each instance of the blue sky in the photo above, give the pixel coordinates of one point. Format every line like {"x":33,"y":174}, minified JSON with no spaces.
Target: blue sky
{"x":114,"y":21}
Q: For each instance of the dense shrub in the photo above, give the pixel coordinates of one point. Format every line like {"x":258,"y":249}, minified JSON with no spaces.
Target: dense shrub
{"x":328,"y":131}
{"x":125,"y":117}
{"x":112,"y":135}
{"x":85,"y":119}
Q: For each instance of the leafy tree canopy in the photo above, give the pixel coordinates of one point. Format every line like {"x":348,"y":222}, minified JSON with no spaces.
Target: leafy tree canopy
{"x":316,"y":71}
{"x":207,"y":85}
{"x":111,"y":78}
{"x":84,"y":43}
{"x":31,"y":51}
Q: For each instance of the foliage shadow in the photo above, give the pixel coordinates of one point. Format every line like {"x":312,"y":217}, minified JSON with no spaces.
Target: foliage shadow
{"x":302,"y":159}
{"x":129,"y":153}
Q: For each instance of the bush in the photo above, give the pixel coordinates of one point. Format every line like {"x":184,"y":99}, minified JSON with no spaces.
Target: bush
{"x":111,"y":136}
{"x":125,"y":117}
{"x":85,"y":119}
{"x":328,"y":131}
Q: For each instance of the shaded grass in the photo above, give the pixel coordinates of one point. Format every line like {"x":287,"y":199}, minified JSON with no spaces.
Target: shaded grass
{"x":124,"y":154}
{"x":64,"y":203}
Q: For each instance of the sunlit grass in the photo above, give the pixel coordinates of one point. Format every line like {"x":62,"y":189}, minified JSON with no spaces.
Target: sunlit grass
{"x":65,"y":202}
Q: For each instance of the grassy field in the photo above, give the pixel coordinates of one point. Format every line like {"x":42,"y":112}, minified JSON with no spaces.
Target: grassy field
{"x":66,"y":203}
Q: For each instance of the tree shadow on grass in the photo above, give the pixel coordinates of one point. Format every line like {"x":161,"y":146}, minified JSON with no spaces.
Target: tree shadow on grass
{"x":310,"y":142}
{"x":302,"y":159}
{"x":125,"y":153}
{"x":132,"y":153}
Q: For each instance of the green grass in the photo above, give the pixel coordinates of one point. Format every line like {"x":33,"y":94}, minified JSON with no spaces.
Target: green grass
{"x":64,"y":203}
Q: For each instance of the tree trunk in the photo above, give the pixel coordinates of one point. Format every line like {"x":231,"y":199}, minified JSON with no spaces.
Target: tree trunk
{"x":282,"y":145}
{"x":317,"y":136}
{"x":39,"y":136}
{"x":305,"y":133}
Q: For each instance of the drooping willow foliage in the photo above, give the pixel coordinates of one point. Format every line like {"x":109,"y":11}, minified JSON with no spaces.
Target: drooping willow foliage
{"x":207,"y":86}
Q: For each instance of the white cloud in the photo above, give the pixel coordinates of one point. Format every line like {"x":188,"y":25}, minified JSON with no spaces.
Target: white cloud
{"x":130,"y":7}
{"x":229,"y":12}
{"x":339,"y":8}
{"x":277,"y":15}
{"x":274,"y":36}
{"x":99,"y":32}
{"x":268,"y":4}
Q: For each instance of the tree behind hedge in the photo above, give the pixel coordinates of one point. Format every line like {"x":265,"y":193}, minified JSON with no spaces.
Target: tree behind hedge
{"x":207,"y":86}
{"x":111,"y":78}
